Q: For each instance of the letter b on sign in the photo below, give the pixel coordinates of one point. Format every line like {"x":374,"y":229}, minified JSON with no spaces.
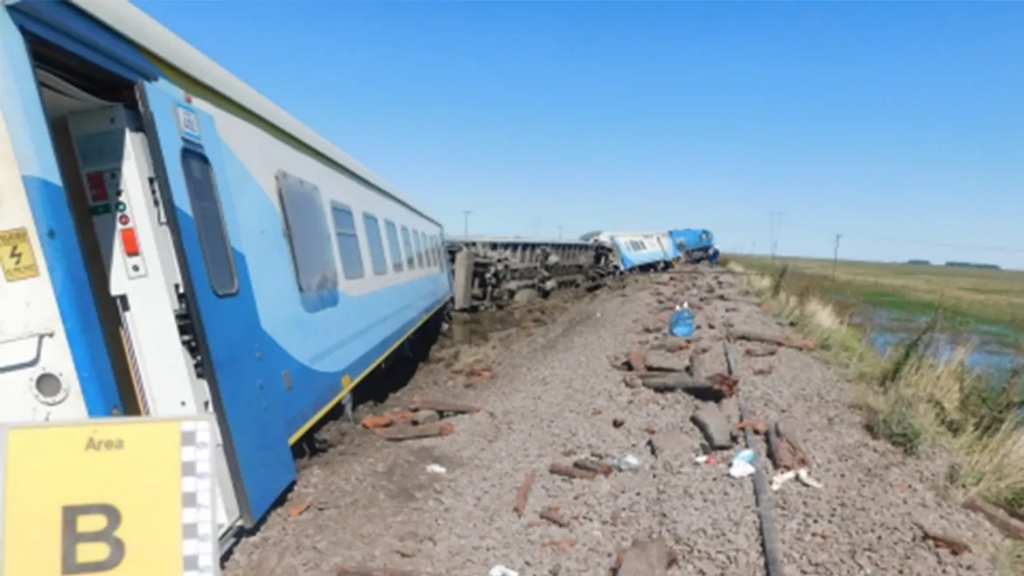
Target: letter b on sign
{"x":72,"y":537}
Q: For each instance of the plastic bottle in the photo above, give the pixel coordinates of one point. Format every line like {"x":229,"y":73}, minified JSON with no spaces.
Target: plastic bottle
{"x":681,"y":323}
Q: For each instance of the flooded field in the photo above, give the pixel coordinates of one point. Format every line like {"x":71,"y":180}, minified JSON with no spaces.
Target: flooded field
{"x":994,"y":348}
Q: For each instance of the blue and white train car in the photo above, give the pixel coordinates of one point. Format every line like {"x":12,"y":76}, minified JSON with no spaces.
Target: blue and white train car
{"x":172,"y":243}
{"x":693,"y":244}
{"x":639,"y":251}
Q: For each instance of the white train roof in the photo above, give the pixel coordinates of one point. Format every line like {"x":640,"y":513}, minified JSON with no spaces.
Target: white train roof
{"x":143,"y":30}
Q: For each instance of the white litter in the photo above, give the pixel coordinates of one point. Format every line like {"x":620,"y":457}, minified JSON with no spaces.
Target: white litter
{"x":803,"y":475}
{"x":500,"y":570}
{"x":741,"y":468}
{"x":436,"y":469}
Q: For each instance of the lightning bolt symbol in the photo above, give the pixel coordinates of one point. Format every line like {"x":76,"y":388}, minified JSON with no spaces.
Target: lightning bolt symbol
{"x":15,"y":255}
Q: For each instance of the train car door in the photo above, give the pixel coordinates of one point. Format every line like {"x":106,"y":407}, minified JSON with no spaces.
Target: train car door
{"x":198,"y":198}
{"x":128,"y":221}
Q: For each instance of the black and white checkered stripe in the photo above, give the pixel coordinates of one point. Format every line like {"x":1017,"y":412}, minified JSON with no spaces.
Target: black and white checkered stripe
{"x":198,"y":540}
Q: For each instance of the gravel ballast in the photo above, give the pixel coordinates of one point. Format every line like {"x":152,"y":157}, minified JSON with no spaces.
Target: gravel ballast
{"x":556,"y":398}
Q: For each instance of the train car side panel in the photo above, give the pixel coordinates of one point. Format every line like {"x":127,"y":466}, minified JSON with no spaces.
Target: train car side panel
{"x":274,"y":375}
{"x":47,"y":322}
{"x":223,"y":298}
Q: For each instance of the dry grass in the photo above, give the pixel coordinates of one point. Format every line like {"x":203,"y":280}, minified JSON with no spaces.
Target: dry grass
{"x":911,"y":400}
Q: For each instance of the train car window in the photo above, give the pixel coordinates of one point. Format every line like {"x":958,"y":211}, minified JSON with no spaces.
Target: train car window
{"x":309,"y":236}
{"x":437,"y":251}
{"x":419,"y":248}
{"x":348,"y":242}
{"x":428,"y":259}
{"x":410,"y":259}
{"x":209,"y":221}
{"x":376,"y":244}
{"x":427,"y":256}
{"x":396,"y":252}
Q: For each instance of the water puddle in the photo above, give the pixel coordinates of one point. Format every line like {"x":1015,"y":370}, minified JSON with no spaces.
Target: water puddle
{"x":995,"y":349}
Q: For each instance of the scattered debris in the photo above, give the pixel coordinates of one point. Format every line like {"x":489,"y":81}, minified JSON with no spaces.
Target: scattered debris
{"x":756,"y":427}
{"x":712,"y":424}
{"x":741,"y":468}
{"x":500,"y":570}
{"x":299,"y":508}
{"x":553,"y":515}
{"x":955,"y":545}
{"x":658,"y":361}
{"x":411,"y":432}
{"x":645,"y":558}
{"x":523,"y":493}
{"x":443,"y":407}
{"x":706,"y":459}
{"x":803,"y":475}
{"x":781,"y":341}
{"x":592,"y":465}
{"x":635,"y":361}
{"x":627,"y":462}
{"x":785,"y":450}
{"x":436,"y":469}
{"x":479,"y":374}
{"x":572,"y":472}
{"x":713,"y":389}
{"x":386,"y":420}
{"x":1007,"y":524}
{"x":425,"y":417}
{"x":618,"y":422}
{"x":763,"y":370}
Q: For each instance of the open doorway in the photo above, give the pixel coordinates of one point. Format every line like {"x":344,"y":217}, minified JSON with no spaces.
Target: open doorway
{"x":69,"y":85}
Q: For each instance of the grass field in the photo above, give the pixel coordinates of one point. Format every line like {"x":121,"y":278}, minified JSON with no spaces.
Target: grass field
{"x":993,"y":296}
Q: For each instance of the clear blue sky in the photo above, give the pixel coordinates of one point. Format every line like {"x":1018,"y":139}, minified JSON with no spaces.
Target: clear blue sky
{"x":899,"y":125}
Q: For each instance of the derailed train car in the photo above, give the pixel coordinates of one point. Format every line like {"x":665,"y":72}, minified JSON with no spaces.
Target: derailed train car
{"x":172,"y":239}
{"x":693,"y":244}
{"x":492,"y":271}
{"x":637,"y":251}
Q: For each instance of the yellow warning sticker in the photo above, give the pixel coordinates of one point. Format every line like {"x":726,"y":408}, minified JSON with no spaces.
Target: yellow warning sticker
{"x":16,"y":256}
{"x":117,"y":497}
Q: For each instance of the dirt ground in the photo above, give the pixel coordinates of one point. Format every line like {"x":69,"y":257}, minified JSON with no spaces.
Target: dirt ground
{"x":557,"y":395}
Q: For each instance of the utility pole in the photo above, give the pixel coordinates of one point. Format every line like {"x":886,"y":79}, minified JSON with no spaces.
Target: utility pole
{"x":559,"y":232}
{"x":776,"y":228}
{"x":835,"y":255}
{"x":465,"y":223}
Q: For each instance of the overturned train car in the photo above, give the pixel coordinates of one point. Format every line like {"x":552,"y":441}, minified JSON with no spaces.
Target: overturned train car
{"x":490,"y":272}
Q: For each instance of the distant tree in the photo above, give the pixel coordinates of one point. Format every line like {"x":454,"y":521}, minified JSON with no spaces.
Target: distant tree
{"x":973,"y":265}
{"x":919,"y":262}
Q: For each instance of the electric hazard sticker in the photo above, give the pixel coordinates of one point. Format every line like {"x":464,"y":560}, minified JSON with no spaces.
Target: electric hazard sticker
{"x":16,"y":256}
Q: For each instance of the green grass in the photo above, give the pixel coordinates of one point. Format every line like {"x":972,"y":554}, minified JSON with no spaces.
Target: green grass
{"x":907,"y":399}
{"x":966,"y":295}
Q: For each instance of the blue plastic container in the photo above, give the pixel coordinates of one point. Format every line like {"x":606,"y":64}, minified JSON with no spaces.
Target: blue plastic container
{"x":681,"y":323}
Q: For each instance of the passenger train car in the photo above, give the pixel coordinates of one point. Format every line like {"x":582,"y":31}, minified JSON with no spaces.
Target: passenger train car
{"x":174,"y":243}
{"x":693,"y":244}
{"x":638,"y":251}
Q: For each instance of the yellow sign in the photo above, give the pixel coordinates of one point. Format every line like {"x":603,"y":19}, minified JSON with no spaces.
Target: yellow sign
{"x":111,"y":497}
{"x":16,"y":256}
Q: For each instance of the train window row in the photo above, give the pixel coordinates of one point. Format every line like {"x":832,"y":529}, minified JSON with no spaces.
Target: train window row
{"x":636,"y":245}
{"x":311,"y":239}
